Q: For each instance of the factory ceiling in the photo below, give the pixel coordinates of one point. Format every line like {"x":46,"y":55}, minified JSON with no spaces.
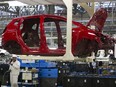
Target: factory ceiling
{"x":34,"y":2}
{"x":5,"y":0}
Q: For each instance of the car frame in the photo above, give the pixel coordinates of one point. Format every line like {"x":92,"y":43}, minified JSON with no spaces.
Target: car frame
{"x":84,"y":39}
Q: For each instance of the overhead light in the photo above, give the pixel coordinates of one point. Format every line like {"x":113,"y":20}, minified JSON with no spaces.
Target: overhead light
{"x":16,"y":3}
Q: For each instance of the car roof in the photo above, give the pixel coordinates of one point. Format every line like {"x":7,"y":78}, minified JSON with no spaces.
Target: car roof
{"x":36,"y":16}
{"x":45,"y":15}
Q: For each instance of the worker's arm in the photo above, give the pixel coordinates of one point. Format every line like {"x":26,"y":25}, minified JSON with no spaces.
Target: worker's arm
{"x":16,"y":65}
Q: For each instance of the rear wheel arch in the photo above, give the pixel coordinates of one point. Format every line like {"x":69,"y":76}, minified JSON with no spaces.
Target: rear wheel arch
{"x":12,"y":47}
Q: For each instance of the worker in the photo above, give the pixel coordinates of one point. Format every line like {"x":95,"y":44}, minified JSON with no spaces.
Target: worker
{"x":32,"y":40}
{"x":94,"y":65}
{"x":14,"y":71}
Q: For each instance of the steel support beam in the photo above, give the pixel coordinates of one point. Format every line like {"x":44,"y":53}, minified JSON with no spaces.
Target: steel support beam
{"x":68,"y":55}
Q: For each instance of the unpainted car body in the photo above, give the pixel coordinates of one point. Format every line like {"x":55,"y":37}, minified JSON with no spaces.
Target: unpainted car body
{"x":31,"y":35}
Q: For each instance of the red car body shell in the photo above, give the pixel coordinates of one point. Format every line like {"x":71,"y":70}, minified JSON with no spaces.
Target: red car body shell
{"x":83,"y":38}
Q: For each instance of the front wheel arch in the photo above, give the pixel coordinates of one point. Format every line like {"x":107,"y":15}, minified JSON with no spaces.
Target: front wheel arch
{"x":85,"y":47}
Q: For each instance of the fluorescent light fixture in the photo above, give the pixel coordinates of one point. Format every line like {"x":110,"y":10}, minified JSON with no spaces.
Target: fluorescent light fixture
{"x":15,"y":3}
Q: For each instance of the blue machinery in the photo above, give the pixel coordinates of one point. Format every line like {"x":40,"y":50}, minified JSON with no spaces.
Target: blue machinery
{"x":34,"y":73}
